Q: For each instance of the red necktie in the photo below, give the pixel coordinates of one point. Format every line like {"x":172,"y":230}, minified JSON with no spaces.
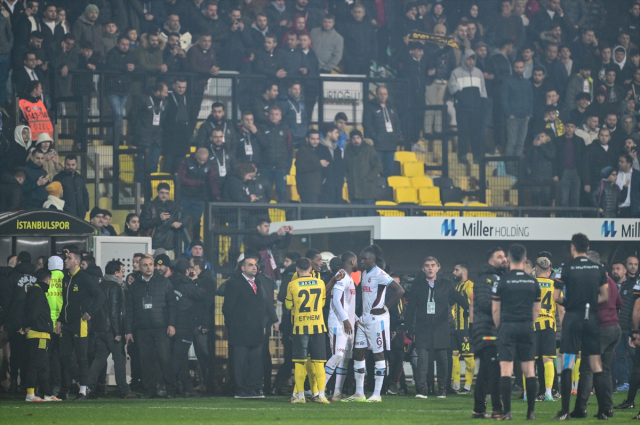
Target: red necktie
{"x":253,"y":285}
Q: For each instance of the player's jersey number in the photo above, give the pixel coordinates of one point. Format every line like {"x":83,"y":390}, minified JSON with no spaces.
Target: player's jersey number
{"x":307,"y":294}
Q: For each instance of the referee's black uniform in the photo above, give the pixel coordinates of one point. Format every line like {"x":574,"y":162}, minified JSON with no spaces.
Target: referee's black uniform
{"x":581,"y":279}
{"x":517,"y":293}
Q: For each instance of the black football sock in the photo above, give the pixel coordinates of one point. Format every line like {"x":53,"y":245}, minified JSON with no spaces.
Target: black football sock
{"x":532,"y":391}
{"x":600,"y":385}
{"x":565,"y":390}
{"x":505,"y":393}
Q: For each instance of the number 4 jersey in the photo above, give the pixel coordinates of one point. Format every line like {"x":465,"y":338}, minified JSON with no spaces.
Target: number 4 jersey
{"x":547,"y":316}
{"x":305,"y":298}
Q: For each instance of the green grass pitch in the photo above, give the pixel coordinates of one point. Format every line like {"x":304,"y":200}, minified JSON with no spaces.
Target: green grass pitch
{"x":275,"y":410}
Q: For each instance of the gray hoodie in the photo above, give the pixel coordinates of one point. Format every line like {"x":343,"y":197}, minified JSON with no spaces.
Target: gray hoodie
{"x":467,"y":84}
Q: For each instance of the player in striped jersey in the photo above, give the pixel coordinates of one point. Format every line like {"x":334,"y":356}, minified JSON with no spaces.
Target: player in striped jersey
{"x":460,"y":340}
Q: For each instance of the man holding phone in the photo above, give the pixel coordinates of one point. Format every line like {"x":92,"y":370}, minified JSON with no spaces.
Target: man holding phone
{"x":264,"y":243}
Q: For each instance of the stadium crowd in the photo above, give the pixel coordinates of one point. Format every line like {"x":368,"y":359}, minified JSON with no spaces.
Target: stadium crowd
{"x":554,"y":84}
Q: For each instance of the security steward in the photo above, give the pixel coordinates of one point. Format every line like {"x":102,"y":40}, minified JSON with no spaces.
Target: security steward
{"x":38,"y":326}
{"x":516,"y":303}
{"x":484,"y":336}
{"x":580,"y":286}
{"x":190,"y":315}
{"x":461,"y":338}
{"x":427,"y":319}
{"x":151,"y":312}
{"x":545,"y":327}
{"x":81,"y":300}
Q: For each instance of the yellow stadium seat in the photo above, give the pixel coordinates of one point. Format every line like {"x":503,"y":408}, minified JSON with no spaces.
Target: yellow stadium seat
{"x":193,"y":149}
{"x":293,"y":194}
{"x":412,"y":169}
{"x":429,"y":195}
{"x":389,"y":213}
{"x":404,"y":156}
{"x":405,"y":195}
{"x":478,"y":213}
{"x":293,"y":168}
{"x":398,"y":181}
{"x":454,"y":204}
{"x":165,"y":178}
{"x":345,"y":192}
{"x":276,"y":214}
{"x":421,"y":181}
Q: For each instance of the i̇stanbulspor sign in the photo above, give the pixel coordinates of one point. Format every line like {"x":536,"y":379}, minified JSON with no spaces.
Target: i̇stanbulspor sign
{"x":44,"y":223}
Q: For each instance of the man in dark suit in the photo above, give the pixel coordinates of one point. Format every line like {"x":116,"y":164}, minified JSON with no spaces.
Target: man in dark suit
{"x":629,"y":182}
{"x":566,"y":165}
{"x":28,"y":72}
{"x":244,"y":309}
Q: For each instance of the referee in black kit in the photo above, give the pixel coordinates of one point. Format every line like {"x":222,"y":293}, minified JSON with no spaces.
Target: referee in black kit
{"x":516,"y":304}
{"x":580,"y":286}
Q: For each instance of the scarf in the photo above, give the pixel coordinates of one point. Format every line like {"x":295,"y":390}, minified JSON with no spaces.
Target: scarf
{"x":56,"y":202}
{"x":129,"y":232}
{"x":264,"y":33}
{"x":278,"y":7}
{"x":113,"y":278}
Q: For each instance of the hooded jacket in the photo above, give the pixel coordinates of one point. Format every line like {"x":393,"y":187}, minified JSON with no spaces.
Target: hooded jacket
{"x":361,"y":167}
{"x":74,"y":193}
{"x":53,"y":203}
{"x":148,"y":57}
{"x":34,"y":195}
{"x":18,"y":151}
{"x":83,"y":29}
{"x":483,"y":325}
{"x":467,"y":85}
{"x":11,"y":198}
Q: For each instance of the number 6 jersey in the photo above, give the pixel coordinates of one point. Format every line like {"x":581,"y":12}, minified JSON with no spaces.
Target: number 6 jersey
{"x":305,"y":298}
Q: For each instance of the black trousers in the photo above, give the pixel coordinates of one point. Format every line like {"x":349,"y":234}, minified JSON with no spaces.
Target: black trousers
{"x":203,"y":345}
{"x":38,"y":365}
{"x":267,"y":366}
{"x":105,"y":344}
{"x":134,"y":356}
{"x":71,"y":342}
{"x":19,"y":358}
{"x":284,"y":373}
{"x":247,"y":367}
{"x":55,"y":368}
{"x":155,"y":344}
{"x":181,"y":342}
{"x":468,"y":132}
{"x":488,"y":380}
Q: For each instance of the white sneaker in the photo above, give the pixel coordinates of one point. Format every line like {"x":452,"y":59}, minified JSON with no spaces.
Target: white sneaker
{"x":337,"y":397}
{"x":51,"y":398}
{"x":423,"y":396}
{"x":374,"y":399}
{"x":33,"y":398}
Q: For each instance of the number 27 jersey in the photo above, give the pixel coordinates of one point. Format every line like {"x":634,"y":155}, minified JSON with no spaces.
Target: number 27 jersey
{"x":305,"y":299}
{"x":374,"y":286}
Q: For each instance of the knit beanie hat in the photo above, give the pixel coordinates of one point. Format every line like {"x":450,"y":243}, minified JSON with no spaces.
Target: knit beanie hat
{"x":54,"y":188}
{"x":91,"y":8}
{"x":355,"y":133}
{"x":606,"y":172}
{"x":94,"y":212}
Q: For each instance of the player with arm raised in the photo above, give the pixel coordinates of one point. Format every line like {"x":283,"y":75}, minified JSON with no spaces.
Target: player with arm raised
{"x":342,"y":323}
{"x":373,"y":330}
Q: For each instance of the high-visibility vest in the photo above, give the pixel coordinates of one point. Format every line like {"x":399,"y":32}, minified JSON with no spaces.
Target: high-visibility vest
{"x":54,"y":295}
{"x":37,"y":117}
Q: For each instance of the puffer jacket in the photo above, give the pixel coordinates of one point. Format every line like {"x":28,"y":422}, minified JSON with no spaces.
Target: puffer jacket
{"x":190,"y":312}
{"x":276,"y":146}
{"x":361,"y":167}
{"x":607,"y":197}
{"x":150,"y":59}
{"x":80,"y":294}
{"x":163,"y":312}
{"x":110,"y":317}
{"x":483,"y":325}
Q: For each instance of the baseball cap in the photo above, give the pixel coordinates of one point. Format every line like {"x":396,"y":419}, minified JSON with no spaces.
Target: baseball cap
{"x":55,"y":263}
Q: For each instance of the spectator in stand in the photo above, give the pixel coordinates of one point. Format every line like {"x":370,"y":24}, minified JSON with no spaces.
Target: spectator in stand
{"x":468,"y":89}
{"x":259,"y":30}
{"x":6,"y":46}
{"x":123,"y":60}
{"x":208,"y":22}
{"x":299,"y":27}
{"x":264,"y":102}
{"x":110,"y":36}
{"x":361,"y":168}
{"x":237,"y":49}
{"x":52,"y":32}
{"x":154,"y":15}
{"x":162,"y":264}
{"x":279,"y":17}
{"x":153,"y":323}
{"x":540,"y":158}
{"x":413,"y":70}
{"x":131,"y":226}
{"x":508,"y":26}
{"x":96,"y":217}
{"x":221,"y":157}
{"x":585,"y":48}
{"x":602,"y":63}
{"x":295,"y":116}
{"x":294,"y":61}
{"x":277,"y":152}
{"x":382,"y":125}
{"x":589,"y":130}
{"x":36,"y":180}
{"x":264,"y":243}
{"x":106,"y":221}
{"x":310,"y":88}
{"x":527,"y":56}
{"x":87,"y":28}
{"x":18,"y":151}
{"x":500,"y":67}
{"x":440,"y":62}
{"x":598,"y":155}
{"x":615,"y":91}
{"x":248,"y":146}
{"x":552,"y":122}
{"x":628,"y":180}
{"x":202,"y":59}
{"x":606,"y":196}
{"x":217,"y":121}
{"x":460,"y":37}
{"x":150,"y":55}
{"x":24,"y":75}
{"x":198,"y":184}
{"x":548,"y":18}
{"x":309,"y":169}
{"x":579,"y":114}
{"x":11,"y":197}
{"x":617,"y":132}
{"x":146,"y":117}
{"x":174,"y":55}
{"x":360,"y":42}
{"x":64,"y":58}
{"x":238,"y":186}
{"x":539,"y":87}
{"x":176,"y":126}
{"x":74,"y":187}
{"x":567,"y":168}
{"x":327,"y":44}
{"x":268,"y":61}
{"x":51,"y":161}
{"x":61,"y":18}
{"x":579,"y":83}
{"x":333,"y":173}
{"x":165,"y":217}
{"x":517,"y":104}
{"x":312,"y":13}
{"x":25,"y":22}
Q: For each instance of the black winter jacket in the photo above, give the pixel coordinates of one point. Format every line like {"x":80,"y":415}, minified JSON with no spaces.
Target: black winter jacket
{"x":204,"y":133}
{"x":309,"y":170}
{"x":119,"y":83}
{"x":11,"y":198}
{"x":376,"y":129}
{"x":207,"y":286}
{"x":561,"y":154}
{"x":242,"y":147}
{"x":190,"y":311}
{"x":37,"y":313}
{"x":163,"y":311}
{"x":19,"y":279}
{"x":74,"y":193}
{"x":276,"y":146}
{"x":628,"y":300}
{"x":110,"y":317}
{"x":483,"y":325}
{"x":244,"y":311}
{"x":80,"y":294}
{"x":164,"y":235}
{"x":141,"y":117}
{"x":34,"y":195}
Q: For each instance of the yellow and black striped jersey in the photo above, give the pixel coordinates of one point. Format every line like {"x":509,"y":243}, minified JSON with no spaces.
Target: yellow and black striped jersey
{"x":547,"y":316}
{"x":305,"y":299}
{"x":461,"y":322}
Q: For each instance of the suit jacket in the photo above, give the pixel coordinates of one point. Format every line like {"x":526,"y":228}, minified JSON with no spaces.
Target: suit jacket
{"x":21,"y":79}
